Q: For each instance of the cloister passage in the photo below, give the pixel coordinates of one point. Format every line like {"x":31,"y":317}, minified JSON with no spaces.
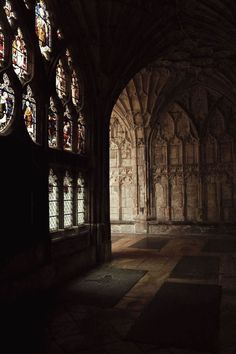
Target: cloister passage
{"x":172,"y":154}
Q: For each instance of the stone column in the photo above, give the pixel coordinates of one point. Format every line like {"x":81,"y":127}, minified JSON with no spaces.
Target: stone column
{"x":141,"y":173}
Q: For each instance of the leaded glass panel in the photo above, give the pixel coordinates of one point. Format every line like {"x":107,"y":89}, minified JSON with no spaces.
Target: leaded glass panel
{"x":67,"y":130}
{"x":81,"y":135}
{"x":61,"y":82}
{"x":7,"y":100}
{"x":29,"y":111}
{"x":19,"y":56}
{"x":53,"y":196}
{"x":43,"y":29}
{"x":68,"y":201}
{"x":52,"y":125}
{"x":75,"y":89}
{"x":80,"y":201}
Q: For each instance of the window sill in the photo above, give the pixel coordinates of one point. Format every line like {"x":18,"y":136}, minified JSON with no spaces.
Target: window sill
{"x":72,"y":232}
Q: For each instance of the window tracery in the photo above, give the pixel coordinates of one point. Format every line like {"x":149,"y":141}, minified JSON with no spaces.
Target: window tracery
{"x":66,"y":200}
{"x":61,"y":126}
{"x":68,"y":91}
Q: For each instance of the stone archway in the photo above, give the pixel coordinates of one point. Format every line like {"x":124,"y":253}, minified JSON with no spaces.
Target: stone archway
{"x":179,"y":166}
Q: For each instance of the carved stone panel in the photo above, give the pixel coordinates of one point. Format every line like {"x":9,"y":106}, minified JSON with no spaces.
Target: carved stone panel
{"x":210,"y":150}
{"x":191,"y":153}
{"x":160,"y":154}
{"x":227,"y":201}
{"x":121,"y":172}
{"x":175,"y":153}
{"x":126,"y":153}
{"x":192,"y":195}
{"x":126,"y":202}
{"x":176,"y":189}
{"x":167,"y":127}
{"x":114,"y":207}
{"x":161,"y":201}
{"x":225,"y":150}
{"x":114,"y":155}
{"x":212,"y":202}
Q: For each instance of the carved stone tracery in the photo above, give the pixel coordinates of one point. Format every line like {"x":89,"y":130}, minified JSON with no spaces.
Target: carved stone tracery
{"x":196,"y":171}
{"x":182,"y":155}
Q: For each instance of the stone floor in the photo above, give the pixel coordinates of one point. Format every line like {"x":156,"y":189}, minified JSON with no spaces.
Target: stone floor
{"x":72,"y":328}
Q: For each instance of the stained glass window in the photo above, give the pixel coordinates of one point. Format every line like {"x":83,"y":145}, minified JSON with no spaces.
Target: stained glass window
{"x":2,"y":47}
{"x":53,"y":202}
{"x":11,"y":16}
{"x":52,"y":125}
{"x":67,"y":130}
{"x":75,"y":89}
{"x":29,"y":111}
{"x":81,"y":135}
{"x":43,"y":28}
{"x":80,"y":201}
{"x":19,"y":56}
{"x":68,"y":201}
{"x":7,"y":100}
{"x":61,"y":82}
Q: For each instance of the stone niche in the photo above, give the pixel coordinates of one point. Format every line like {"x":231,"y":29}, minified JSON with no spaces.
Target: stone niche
{"x":121,"y":173}
{"x":192,"y":169}
{"x":175,"y":172}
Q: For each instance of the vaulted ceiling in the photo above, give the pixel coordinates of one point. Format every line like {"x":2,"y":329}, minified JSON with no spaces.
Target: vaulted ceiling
{"x":124,"y":35}
{"x":189,"y":41}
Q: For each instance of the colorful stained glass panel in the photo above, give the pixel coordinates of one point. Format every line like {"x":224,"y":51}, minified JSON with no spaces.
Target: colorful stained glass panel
{"x":61,"y":82}
{"x":52,"y":125}
{"x":81,"y":136}
{"x":29,"y":112}
{"x":19,"y":56}
{"x":75,"y":90}
{"x":67,"y":130}
{"x":43,"y":28}
{"x":7,"y":100}
{"x":11,"y":16}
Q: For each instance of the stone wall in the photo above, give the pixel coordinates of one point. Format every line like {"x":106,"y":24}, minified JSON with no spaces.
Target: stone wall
{"x":179,"y":167}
